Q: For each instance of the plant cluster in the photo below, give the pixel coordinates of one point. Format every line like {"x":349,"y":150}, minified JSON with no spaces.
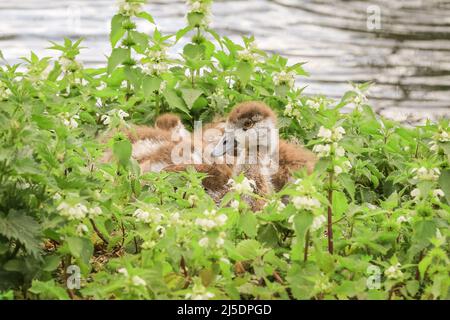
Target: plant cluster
{"x":371,"y":222}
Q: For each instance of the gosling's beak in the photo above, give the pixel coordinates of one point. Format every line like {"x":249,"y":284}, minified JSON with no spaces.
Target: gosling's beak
{"x":225,"y":145}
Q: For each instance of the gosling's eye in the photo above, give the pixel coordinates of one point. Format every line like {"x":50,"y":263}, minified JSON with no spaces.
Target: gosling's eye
{"x":247,"y":125}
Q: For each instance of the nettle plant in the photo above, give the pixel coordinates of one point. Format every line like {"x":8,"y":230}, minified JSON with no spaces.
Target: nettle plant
{"x":371,"y":222}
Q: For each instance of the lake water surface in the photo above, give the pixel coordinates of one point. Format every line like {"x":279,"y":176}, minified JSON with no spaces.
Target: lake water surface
{"x":408,"y":57}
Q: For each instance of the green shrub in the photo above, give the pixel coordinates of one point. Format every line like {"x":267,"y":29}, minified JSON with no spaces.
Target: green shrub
{"x":383,"y":189}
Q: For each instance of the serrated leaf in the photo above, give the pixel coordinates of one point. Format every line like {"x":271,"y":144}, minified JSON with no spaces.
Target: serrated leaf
{"x":248,"y":224}
{"x":20,"y":227}
{"x":249,"y":249}
{"x":244,"y":72}
{"x":122,"y":151}
{"x":117,"y":31}
{"x":118,"y":56}
{"x":174,"y":101}
{"x":444,"y":183}
{"x":190,"y":96}
{"x":80,"y":248}
{"x":147,"y":16}
{"x":48,"y":290}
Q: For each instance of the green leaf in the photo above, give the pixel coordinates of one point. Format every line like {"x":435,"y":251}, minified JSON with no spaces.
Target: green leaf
{"x":147,"y":16}
{"x":190,"y":96}
{"x":248,"y":224}
{"x":249,"y":249}
{"x":122,"y":151}
{"x":444,"y":183}
{"x":48,"y":290}
{"x":117,"y":31}
{"x":80,"y":248}
{"x":141,"y":40}
{"x":20,"y":227}
{"x":424,"y":230}
{"x":51,"y":263}
{"x":347,"y":182}
{"x":194,"y":51}
{"x":182,"y":32}
{"x":340,"y":204}
{"x":151,"y":84}
{"x":174,"y":101}
{"x":118,"y":56}
{"x":244,"y":72}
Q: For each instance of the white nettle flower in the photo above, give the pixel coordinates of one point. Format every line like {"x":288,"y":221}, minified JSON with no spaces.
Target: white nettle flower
{"x":234,"y":204}
{"x":153,"y":215}
{"x":68,"y":64}
{"x":338,"y":133}
{"x":322,"y":150}
{"x":199,"y":293}
{"x":210,"y":213}
{"x":129,"y":8}
{"x":212,"y":221}
{"x":315,"y":105}
{"x":318,"y":222}
{"x":70,"y":121}
{"x":394,"y":272}
{"x":347,"y":165}
{"x":203,"y":242}
{"x":105,"y":119}
{"x":438,"y":193}
{"x":416,"y":193}
{"x":95,"y":212}
{"x":284,"y":77}
{"x":155,"y":68}
{"x":246,"y":186}
{"x":425,"y":174}
{"x":57,"y":197}
{"x":402,"y":219}
{"x":142,"y":216}
{"x":122,"y":114}
{"x":288,"y":109}
{"x":441,"y":136}
{"x":123,"y":271}
{"x":175,"y":218}
{"x":322,"y":284}
{"x":147,"y":245}
{"x":221,"y":219}
{"x":305,"y":202}
{"x":82,"y":229}
{"x":192,"y":199}
{"x":220,"y":241}
{"x":5,"y":92}
{"x":338,"y":150}
{"x":163,"y":86}
{"x":73,"y":212}
{"x":325,"y":134}
{"x":247,"y":55}
{"x":138,"y":281}
{"x":337,"y":170}
{"x":161,"y":231}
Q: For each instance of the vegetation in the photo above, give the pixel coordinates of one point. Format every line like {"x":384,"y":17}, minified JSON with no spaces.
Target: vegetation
{"x":381,"y":190}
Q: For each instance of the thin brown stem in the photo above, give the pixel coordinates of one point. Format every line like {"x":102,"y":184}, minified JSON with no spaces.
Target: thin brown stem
{"x":97,"y":231}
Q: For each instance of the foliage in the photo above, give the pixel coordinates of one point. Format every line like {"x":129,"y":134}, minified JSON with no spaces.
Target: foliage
{"x":382,"y":188}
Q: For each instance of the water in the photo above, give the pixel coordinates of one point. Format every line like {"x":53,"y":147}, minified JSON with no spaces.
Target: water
{"x":408,"y":57}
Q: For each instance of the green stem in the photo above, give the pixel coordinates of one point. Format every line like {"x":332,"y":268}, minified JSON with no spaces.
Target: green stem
{"x":330,"y":214}
{"x":305,"y":254}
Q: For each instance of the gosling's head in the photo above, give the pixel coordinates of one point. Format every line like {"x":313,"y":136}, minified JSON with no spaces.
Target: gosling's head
{"x":250,"y":126}
{"x":172,"y":123}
